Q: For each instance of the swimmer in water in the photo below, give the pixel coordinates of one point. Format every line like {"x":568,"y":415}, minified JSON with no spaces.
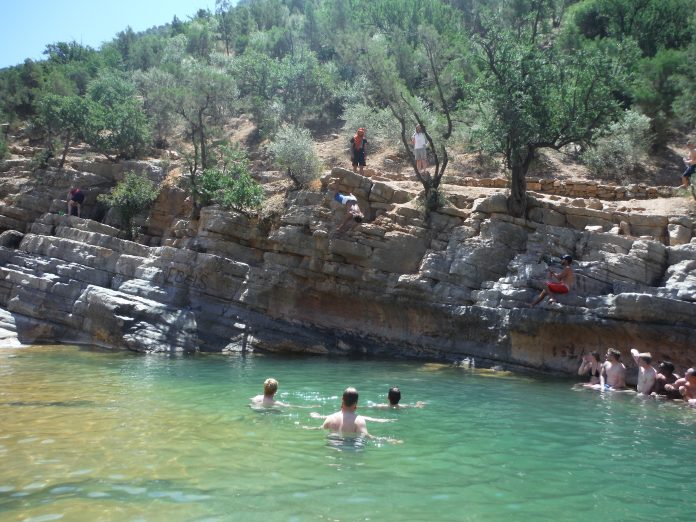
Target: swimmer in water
{"x":394,"y":396}
{"x":347,"y":421}
{"x":267,"y":400}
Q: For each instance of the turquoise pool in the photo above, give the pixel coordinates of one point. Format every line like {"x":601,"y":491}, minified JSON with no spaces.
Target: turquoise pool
{"x":102,"y":435}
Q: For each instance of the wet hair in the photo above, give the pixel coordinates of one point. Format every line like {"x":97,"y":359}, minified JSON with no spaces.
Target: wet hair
{"x":567,"y":258}
{"x":358,"y":219}
{"x":394,"y":395}
{"x":691,"y":372}
{"x":270,"y":386}
{"x":666,"y":365}
{"x":596,"y":356}
{"x":616,"y":353}
{"x":645,"y":358}
{"x":350,"y":397}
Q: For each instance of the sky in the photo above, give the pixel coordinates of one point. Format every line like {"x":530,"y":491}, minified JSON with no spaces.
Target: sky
{"x":27,"y":26}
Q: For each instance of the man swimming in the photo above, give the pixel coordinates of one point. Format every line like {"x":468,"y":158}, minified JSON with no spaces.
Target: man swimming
{"x":394,"y":396}
{"x":347,"y":421}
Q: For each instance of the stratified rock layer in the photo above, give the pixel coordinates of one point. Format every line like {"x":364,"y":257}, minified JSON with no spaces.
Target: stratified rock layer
{"x":455,"y":285}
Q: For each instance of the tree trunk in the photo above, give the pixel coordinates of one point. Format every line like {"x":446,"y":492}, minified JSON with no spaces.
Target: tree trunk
{"x":65,"y":150}
{"x":517,"y":201}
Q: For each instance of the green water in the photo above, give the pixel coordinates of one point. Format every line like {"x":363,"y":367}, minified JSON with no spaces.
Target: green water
{"x":93,"y":435}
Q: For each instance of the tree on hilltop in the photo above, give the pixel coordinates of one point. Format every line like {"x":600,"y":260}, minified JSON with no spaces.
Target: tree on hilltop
{"x":541,"y":95}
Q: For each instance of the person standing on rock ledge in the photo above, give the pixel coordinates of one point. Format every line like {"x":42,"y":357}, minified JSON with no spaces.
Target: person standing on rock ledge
{"x":690,"y":162}
{"x":75,"y":200}
{"x":565,"y":279}
{"x":358,"y":144}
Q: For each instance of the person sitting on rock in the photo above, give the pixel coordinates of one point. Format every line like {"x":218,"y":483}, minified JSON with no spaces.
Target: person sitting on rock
{"x":353,"y":213}
{"x":75,"y":200}
{"x":564,"y":282}
{"x":665,"y":377}
{"x":646,"y":373}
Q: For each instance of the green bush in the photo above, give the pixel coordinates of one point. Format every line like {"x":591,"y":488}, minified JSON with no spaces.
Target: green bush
{"x":131,"y":197}
{"x":293,"y":150}
{"x":620,"y":147}
{"x":230,"y":183}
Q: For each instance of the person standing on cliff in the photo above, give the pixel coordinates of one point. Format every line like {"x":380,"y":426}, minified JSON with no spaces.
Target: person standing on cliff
{"x":690,"y":162}
{"x":75,"y":199}
{"x":358,"y":150}
{"x":564,"y":282}
{"x":418,"y":140}
{"x":613,"y":375}
{"x":353,"y":213}
{"x":646,"y":373}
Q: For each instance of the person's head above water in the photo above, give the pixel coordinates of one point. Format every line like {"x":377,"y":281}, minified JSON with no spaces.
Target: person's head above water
{"x":270,"y":386}
{"x":394,"y":395}
{"x":567,"y":258}
{"x":350,"y":397}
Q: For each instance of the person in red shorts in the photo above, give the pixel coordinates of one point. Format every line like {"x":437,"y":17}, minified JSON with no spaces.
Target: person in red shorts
{"x":564,"y":282}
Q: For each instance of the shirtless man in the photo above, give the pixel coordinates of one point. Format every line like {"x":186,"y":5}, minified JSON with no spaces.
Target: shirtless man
{"x":565,"y":279}
{"x":267,"y":400}
{"x":613,"y":375}
{"x":686,"y":386}
{"x":353,"y":212}
{"x":646,"y":373}
{"x":690,"y":162}
{"x":347,"y":421}
{"x":665,"y":377}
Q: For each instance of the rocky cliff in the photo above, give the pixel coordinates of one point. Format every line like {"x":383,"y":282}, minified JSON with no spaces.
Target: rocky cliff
{"x":455,"y":285}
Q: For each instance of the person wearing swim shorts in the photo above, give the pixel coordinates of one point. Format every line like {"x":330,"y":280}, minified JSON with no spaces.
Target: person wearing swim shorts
{"x":564,"y":282}
{"x":613,"y":374}
{"x":690,"y":162}
{"x":353,"y":213}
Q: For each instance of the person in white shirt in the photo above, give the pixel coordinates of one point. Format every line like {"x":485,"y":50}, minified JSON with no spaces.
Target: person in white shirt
{"x":418,"y":140}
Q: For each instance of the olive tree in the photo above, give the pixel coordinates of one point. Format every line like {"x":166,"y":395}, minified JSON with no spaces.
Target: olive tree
{"x":293,"y":150}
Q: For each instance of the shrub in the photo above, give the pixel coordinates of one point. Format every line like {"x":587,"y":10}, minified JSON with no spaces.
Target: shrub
{"x":130,"y":197}
{"x":230,"y":183}
{"x":620,"y":147}
{"x":293,"y":150}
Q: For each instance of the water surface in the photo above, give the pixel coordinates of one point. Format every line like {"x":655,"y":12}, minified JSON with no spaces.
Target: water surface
{"x":102,"y":435}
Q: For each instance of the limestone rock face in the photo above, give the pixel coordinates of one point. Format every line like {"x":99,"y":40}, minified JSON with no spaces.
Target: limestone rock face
{"x":455,"y":283}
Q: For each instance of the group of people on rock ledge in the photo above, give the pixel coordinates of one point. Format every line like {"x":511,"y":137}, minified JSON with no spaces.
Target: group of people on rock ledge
{"x":660,"y":382}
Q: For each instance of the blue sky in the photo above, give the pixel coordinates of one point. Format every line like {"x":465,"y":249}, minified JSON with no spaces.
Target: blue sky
{"x":27,"y":26}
